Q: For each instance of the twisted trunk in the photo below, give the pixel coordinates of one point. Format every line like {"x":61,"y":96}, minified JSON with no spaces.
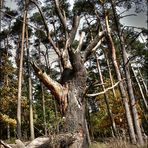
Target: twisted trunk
{"x":69,"y":95}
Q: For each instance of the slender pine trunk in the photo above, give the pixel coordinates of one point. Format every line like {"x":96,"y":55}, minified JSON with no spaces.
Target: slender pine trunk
{"x":144,"y":102}
{"x":131,"y":93}
{"x":30,"y":95}
{"x":43,"y":96}
{"x":44,"y":109}
{"x":143,"y":82}
{"x":106,"y":99}
{"x":19,"y":134}
{"x":128,"y":79}
{"x":8,"y":131}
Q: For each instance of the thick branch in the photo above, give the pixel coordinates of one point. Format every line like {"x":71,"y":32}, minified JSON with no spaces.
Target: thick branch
{"x":68,"y":50}
{"x":92,"y":45}
{"x":55,"y":87}
{"x":76,"y":21}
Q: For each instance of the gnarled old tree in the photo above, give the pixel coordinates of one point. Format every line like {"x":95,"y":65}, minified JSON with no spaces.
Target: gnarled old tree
{"x":70,"y":91}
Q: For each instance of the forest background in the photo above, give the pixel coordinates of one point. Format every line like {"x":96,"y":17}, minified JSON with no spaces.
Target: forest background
{"x":46,"y":49}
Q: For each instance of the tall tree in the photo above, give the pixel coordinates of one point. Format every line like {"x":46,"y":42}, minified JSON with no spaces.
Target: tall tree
{"x":128,"y":80}
{"x":43,"y":96}
{"x":30,"y":94}
{"x":69,"y":92}
{"x":20,"y":79}
{"x":121,"y":85}
{"x":1,"y":6}
{"x":60,"y":32}
{"x":106,"y":98}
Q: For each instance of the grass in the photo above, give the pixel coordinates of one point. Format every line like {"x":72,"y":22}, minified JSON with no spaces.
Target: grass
{"x":98,"y":145}
{"x":114,"y":143}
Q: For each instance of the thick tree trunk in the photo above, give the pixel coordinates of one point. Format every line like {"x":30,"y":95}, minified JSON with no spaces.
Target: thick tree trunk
{"x":75,"y":114}
{"x":69,"y":95}
{"x":75,"y":119}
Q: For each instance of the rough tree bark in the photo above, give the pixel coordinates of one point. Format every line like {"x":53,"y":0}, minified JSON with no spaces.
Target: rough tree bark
{"x":70,"y":97}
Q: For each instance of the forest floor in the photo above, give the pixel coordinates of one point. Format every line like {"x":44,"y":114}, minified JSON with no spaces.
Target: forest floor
{"x":103,"y":143}
{"x":115,"y":143}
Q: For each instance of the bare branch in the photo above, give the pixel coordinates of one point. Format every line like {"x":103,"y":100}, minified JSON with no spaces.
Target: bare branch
{"x":94,"y":45}
{"x":41,"y":13}
{"x":73,"y":32}
{"x":56,"y":49}
{"x":127,"y":15}
{"x":107,"y":89}
{"x":61,"y":17}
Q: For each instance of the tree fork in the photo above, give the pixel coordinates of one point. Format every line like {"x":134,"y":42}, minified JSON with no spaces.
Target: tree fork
{"x":60,"y":92}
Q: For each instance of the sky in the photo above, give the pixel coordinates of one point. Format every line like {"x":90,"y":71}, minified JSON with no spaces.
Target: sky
{"x":137,"y":21}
